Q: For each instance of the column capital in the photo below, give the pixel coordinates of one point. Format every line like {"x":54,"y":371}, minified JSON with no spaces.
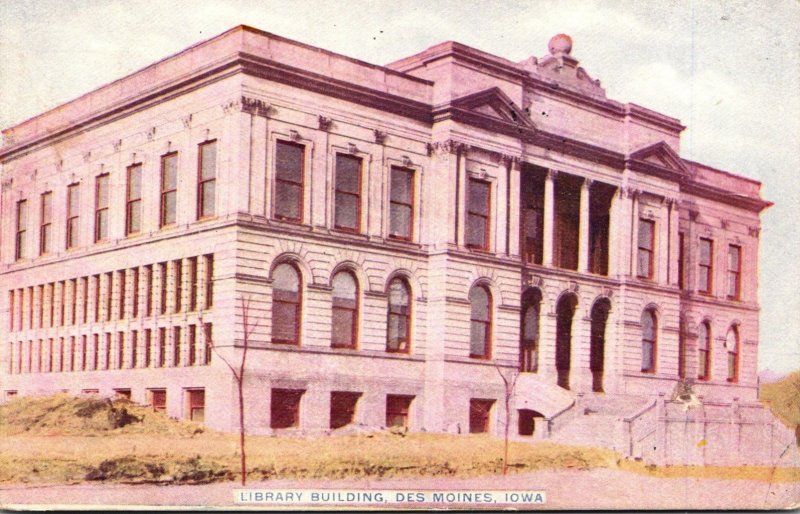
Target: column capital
{"x":511,"y":161}
{"x":551,"y":174}
{"x":587,"y":182}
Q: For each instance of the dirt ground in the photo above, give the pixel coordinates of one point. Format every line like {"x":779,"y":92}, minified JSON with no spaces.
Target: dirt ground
{"x":565,"y":489}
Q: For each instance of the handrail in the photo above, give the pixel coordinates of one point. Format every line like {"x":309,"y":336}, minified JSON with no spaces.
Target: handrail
{"x":562,"y":411}
{"x":639,"y":414}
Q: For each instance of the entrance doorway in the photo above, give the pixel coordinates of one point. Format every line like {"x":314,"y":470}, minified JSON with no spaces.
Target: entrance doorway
{"x":598,"y":342}
{"x":565,"y":310}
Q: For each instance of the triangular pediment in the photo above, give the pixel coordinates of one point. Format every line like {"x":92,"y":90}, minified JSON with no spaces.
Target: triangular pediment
{"x":496,"y":104}
{"x":662,"y":156}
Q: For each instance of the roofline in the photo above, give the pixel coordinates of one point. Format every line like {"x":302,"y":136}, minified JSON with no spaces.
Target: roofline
{"x":728,"y":173}
{"x":242,"y":28}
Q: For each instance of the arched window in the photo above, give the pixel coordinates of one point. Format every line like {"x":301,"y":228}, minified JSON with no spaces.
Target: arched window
{"x":648,"y":341}
{"x":345,"y":311}
{"x":286,"y":304}
{"x":529,"y":345}
{"x":398,"y":334}
{"x":704,"y":351}
{"x":732,"y":343}
{"x":480,"y":322}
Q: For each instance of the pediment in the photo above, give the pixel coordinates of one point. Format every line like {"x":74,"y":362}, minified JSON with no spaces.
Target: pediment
{"x":494,"y":103}
{"x":660,"y":155}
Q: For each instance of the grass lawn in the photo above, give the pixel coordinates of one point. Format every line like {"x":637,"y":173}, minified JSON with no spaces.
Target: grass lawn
{"x":60,"y":439}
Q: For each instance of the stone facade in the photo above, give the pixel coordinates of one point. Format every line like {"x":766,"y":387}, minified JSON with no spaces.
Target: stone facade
{"x":533,"y":224}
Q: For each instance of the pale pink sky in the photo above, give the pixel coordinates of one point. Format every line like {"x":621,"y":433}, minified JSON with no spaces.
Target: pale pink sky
{"x":729,"y":70}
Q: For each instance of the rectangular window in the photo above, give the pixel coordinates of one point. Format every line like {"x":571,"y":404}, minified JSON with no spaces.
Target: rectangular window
{"x":85,"y":305}
{"x":209,"y":342}
{"x":46,"y":223}
{"x":133,"y":200}
{"x":479,"y":415}
{"x":96,"y":352}
{"x":108,"y":351}
{"x":148,"y":350}
{"x":343,"y":408}
{"x":177,"y":269}
{"x":705,"y":266}
{"x":84,"y":350}
{"x":21,"y":309}
{"x":192,"y":279}
{"x":123,"y":393}
{"x":192,"y":345}
{"x":532,"y":216}
{"x":101,"y":200}
{"x":39,"y":355}
{"x":209,"y":279}
{"x":61,"y":354}
{"x":31,"y":306}
{"x":196,"y":404}
{"x":120,"y":360}
{"x":97,"y":297}
{"x":398,"y":408}
{"x":73,"y":304}
{"x":149,"y":290}
{"x":135,"y":293}
{"x":49,"y":368}
{"x":176,"y":346}
{"x":734,"y":272}
{"x":158,"y":399}
{"x":10,"y":358}
{"x":681,"y":261}
{"x":72,"y":350}
{"x":478,"y":208}
{"x":289,"y":158}
{"x":11,"y":310}
{"x":41,"y":297}
{"x":347,"y":201}
{"x":285,"y":408}
{"x":29,"y":369}
{"x":62,"y":303}
{"x":22,"y":229}
{"x":646,"y":245}
{"x":169,"y":189}
{"x":162,"y":272}
{"x":109,"y":294}
{"x":401,"y":203}
{"x":73,"y":215}
{"x":207,"y":179}
{"x":121,"y":299}
{"x":161,"y":351}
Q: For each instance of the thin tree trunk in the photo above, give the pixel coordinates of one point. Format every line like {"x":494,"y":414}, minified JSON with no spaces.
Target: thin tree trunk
{"x":505,"y":446}
{"x":241,"y":431}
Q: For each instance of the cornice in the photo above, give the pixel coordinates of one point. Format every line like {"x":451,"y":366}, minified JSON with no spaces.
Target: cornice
{"x":721,"y":195}
{"x":579,"y":149}
{"x":239,"y":63}
{"x":551,"y":87}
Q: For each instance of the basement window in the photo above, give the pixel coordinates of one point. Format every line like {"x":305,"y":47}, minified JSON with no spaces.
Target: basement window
{"x":479,"y":413}
{"x":158,"y":399}
{"x":343,"y":408}
{"x":196,"y":404}
{"x":285,"y":408}
{"x":397,"y":410}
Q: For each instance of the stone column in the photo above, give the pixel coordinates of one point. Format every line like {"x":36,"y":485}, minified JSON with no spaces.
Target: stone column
{"x":613,"y":234}
{"x":674,"y":241}
{"x":549,"y":217}
{"x":634,"y":242}
{"x":514,"y":165}
{"x":583,"y":228}
{"x":461,"y":202}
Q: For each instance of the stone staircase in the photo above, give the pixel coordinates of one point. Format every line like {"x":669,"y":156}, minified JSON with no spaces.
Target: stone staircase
{"x":596,"y":420}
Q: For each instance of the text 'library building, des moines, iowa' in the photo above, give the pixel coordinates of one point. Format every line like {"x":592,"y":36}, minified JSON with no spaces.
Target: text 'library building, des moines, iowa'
{"x":391,"y":239}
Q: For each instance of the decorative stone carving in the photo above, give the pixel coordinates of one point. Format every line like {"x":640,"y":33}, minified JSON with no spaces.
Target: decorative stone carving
{"x":87,"y":156}
{"x":534,"y":281}
{"x":607,"y":292}
{"x":352,"y":149}
{"x":187,"y":121}
{"x":230,"y":107}
{"x":324,"y":123}
{"x":724,"y":224}
{"x":449,"y":147}
{"x":380,"y":137}
{"x":151,"y":134}
{"x":7,"y":183}
{"x":573,"y":286}
{"x":693,"y":214}
{"x":754,"y":231}
{"x":255,"y":106}
{"x":295,"y":136}
{"x":510,"y":161}
{"x":551,"y":174}
{"x":117,"y":145}
{"x":407,"y":161}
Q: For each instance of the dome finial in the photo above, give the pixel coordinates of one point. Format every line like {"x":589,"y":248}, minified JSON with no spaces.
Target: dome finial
{"x":560,"y":44}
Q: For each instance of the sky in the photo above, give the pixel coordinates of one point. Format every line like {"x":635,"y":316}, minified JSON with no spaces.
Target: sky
{"x":728,"y":70}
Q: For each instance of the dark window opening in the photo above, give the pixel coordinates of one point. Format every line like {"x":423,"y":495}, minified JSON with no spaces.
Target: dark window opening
{"x":196,"y":405}
{"x":705,"y":267}
{"x":649,"y":340}
{"x":646,"y":246}
{"x":479,"y":415}
{"x":600,"y":198}
{"x":398,"y":408}
{"x":565,"y":310}
{"x":285,"y":408}
{"x":401,"y":203}
{"x":532,"y":212}
{"x":289,"y":170}
{"x":347,"y":201}
{"x":343,"y":408}
{"x":101,"y":202}
{"x":567,"y":219}
{"x":169,"y":189}
{"x":597,"y":347}
{"x":704,"y":351}
{"x":480,"y":300}
{"x":344,"y":319}
{"x":734,"y":272}
{"x":158,"y":400}
{"x":207,"y":179}
{"x":526,"y":421}
{"x":478,"y":214}
{"x":286,"y":304}
{"x":529,"y":343}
